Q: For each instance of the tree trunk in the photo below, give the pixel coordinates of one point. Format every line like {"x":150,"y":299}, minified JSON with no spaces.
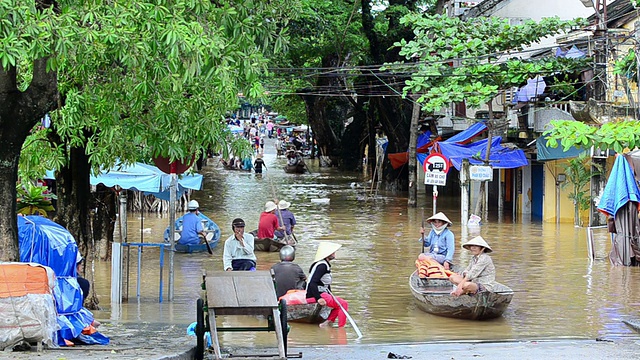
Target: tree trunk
{"x":395,"y":118}
{"x":326,"y":114}
{"x":104,"y":221}
{"x":353,"y":141}
{"x":20,"y":111}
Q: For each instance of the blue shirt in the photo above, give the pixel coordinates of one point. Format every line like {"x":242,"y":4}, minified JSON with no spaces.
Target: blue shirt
{"x":443,"y":244}
{"x":191,"y":226}
{"x":288,"y":218}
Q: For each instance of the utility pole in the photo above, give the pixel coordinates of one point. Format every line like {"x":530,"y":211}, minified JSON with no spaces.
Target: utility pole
{"x":413,"y":140}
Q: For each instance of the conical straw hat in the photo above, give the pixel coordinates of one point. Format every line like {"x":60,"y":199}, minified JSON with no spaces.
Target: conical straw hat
{"x":479,"y":241}
{"x":440,"y":216}
{"x":325,"y":249}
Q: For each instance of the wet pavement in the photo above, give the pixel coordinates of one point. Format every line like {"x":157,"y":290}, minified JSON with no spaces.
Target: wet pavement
{"x":149,"y":341}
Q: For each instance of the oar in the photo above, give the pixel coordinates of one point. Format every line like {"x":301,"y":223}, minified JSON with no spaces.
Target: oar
{"x":206,"y":241}
{"x":422,"y":231}
{"x":351,"y":321}
{"x":305,"y":165}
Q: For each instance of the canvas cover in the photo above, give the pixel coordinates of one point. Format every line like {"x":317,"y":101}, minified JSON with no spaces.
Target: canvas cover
{"x":26,"y":304}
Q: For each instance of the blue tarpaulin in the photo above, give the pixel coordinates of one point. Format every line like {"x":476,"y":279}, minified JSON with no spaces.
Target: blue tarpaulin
{"x":146,"y":178}
{"x":500,"y":157}
{"x":546,"y":153}
{"x":465,"y":136}
{"x":44,"y":242}
{"x":621,"y":188}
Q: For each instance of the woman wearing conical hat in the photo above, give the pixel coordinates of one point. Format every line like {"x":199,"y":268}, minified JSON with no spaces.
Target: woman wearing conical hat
{"x":319,"y":285}
{"x":480,"y":275}
{"x":440,"y":243}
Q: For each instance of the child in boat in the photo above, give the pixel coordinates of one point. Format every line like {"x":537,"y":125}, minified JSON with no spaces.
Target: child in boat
{"x":480,"y":274}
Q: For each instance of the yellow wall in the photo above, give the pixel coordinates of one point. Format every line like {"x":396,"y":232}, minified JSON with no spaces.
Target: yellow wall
{"x":552,"y":169}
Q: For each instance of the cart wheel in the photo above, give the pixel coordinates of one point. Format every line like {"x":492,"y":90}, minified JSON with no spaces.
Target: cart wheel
{"x":283,"y":323}
{"x":199,"y":329}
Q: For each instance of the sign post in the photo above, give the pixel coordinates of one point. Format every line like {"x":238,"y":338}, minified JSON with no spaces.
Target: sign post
{"x":436,"y":167}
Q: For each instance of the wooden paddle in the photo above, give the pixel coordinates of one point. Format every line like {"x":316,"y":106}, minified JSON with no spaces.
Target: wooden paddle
{"x":206,"y":241}
{"x":353,"y":323}
{"x":422,"y":231}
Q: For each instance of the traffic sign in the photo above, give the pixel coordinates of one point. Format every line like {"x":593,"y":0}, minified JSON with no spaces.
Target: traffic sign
{"x":436,"y":162}
{"x":436,"y":167}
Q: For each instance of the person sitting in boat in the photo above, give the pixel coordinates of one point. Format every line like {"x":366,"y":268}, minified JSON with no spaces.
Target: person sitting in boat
{"x":268,"y":222}
{"x":238,"y":249}
{"x":319,"y":286}
{"x":292,"y":158}
{"x":440,"y":242}
{"x":287,"y":217}
{"x":288,"y":275}
{"x":192,"y":229}
{"x":480,"y":274}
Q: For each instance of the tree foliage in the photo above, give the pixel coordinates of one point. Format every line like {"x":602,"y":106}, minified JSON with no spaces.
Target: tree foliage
{"x":473,"y":60}
{"x":615,"y":135}
{"x":130,"y":78}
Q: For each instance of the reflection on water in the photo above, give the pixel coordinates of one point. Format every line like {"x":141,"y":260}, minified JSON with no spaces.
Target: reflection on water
{"x":559,"y":292}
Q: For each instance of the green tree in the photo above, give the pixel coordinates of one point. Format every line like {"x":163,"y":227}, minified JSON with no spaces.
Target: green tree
{"x":118,"y":79}
{"x":472,"y":61}
{"x":579,"y":174}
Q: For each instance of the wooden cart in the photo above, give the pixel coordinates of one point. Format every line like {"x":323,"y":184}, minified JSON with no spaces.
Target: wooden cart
{"x":240,"y":293}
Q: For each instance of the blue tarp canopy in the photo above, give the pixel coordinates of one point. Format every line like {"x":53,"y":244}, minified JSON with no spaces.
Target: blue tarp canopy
{"x":44,"y":242}
{"x":499,"y":158}
{"x":546,"y":153}
{"x":468,"y":134}
{"x":146,"y":178}
{"x":621,"y":188}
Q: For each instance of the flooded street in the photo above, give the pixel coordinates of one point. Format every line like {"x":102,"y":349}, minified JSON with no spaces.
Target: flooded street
{"x":559,"y":293}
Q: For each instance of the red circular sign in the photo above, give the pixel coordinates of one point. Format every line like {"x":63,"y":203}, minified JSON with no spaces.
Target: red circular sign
{"x":436,"y":162}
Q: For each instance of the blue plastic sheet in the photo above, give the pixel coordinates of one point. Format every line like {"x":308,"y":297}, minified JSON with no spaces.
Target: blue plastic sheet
{"x":621,"y":188}
{"x":44,"y":242}
{"x":146,"y":178}
{"x":499,"y":158}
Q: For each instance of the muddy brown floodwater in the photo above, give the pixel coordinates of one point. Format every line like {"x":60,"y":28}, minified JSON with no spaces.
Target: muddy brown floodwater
{"x":560,"y":293}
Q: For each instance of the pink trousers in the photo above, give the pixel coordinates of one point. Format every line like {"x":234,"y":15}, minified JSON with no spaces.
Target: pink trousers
{"x":336,"y":311}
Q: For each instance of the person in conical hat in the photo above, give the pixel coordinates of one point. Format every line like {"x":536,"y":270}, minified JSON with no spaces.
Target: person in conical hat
{"x":440,"y":242}
{"x":319,"y":285}
{"x":480,"y":274}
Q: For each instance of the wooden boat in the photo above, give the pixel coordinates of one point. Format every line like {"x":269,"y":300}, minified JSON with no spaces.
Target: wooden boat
{"x":211,"y":228}
{"x":433,"y":296}
{"x":307,"y":313}
{"x":295,"y":169}
{"x":266,"y":244}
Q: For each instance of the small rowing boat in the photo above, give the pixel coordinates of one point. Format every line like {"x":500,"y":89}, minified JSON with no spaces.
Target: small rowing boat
{"x":211,"y":228}
{"x":295,"y":169}
{"x":269,"y":245}
{"x":434,"y":297}
{"x":307,"y":313}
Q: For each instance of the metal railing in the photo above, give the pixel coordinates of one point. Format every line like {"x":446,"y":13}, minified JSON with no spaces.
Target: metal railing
{"x":140,"y":246}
